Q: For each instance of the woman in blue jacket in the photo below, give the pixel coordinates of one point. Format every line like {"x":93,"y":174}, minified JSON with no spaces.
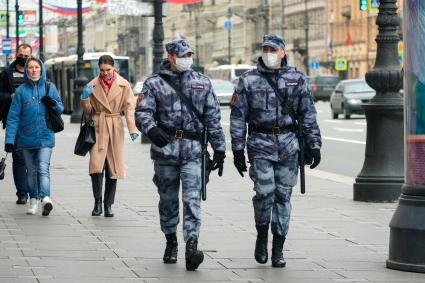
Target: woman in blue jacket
{"x":27,"y":131}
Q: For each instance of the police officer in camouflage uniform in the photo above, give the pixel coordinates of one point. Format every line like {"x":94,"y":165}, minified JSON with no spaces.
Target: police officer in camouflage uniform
{"x":272,"y":142}
{"x":176,"y":149}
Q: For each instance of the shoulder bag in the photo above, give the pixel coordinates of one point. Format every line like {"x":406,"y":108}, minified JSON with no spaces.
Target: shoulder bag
{"x":87,"y":136}
{"x":53,"y":119}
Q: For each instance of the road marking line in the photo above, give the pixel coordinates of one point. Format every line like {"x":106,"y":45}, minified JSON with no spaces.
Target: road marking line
{"x":349,"y":130}
{"x":343,"y":140}
{"x":333,"y":121}
{"x":331,"y":139}
{"x":330,"y":176}
{"x":361,"y":123}
{"x":225,"y":124}
{"x":324,"y":175}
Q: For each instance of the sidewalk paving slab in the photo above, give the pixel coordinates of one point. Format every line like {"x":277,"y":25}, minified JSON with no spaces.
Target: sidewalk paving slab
{"x":331,"y":237}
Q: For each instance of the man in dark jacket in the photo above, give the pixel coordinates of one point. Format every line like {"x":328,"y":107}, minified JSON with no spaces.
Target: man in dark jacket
{"x":10,"y":79}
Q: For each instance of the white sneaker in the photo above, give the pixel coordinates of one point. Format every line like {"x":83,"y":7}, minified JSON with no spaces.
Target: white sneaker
{"x":46,"y":203}
{"x":33,"y":206}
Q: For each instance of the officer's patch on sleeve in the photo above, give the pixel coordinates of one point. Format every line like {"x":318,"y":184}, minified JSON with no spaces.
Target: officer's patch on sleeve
{"x":291,"y":83}
{"x":197,"y":86}
{"x":234,"y":98}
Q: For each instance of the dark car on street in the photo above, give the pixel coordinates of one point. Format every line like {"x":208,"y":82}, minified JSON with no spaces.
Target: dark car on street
{"x":348,"y":97}
{"x":322,"y":87}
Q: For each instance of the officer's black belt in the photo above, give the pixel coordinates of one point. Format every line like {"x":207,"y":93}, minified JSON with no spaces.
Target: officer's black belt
{"x":181,"y":134}
{"x":271,"y":130}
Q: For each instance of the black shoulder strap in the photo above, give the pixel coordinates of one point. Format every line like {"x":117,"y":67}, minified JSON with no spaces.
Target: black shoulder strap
{"x":287,"y":102}
{"x":193,"y":111}
{"x":47,"y":88}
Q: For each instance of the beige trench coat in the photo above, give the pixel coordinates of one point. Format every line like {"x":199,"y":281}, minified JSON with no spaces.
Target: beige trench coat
{"x":109,"y":125}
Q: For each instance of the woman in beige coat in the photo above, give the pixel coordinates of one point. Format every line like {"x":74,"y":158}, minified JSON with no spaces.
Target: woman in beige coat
{"x":105,"y":97}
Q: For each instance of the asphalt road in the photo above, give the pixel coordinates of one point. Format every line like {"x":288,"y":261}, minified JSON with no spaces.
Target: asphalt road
{"x":343,"y":140}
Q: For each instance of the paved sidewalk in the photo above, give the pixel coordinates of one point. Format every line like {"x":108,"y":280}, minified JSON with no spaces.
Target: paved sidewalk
{"x":331,"y":238}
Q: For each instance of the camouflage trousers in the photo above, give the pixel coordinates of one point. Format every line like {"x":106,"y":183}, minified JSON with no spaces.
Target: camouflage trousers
{"x":273,"y":183}
{"x":167,"y":179}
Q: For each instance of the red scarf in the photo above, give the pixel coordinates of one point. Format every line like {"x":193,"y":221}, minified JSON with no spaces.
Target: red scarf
{"x":107,"y":83}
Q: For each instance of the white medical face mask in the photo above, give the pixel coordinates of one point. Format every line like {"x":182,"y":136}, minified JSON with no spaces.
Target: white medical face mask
{"x":271,"y":60}
{"x":183,"y":64}
{"x":34,"y":79}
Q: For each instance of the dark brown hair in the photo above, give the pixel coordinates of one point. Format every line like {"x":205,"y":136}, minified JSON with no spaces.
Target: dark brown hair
{"x":106,"y":59}
{"x":25,"y":45}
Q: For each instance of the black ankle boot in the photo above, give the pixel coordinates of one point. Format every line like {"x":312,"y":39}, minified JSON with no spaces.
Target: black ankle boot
{"x":171,"y":251}
{"x":97,"y":210}
{"x":108,"y":210}
{"x":96,"y":182}
{"x":261,"y":254}
{"x":194,"y":257}
{"x":110,"y":189}
{"x":277,"y":254}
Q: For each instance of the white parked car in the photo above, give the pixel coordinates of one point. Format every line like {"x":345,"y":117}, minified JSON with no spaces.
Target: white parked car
{"x":224,"y":91}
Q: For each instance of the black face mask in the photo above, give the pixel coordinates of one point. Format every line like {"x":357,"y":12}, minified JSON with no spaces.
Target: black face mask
{"x":21,"y":60}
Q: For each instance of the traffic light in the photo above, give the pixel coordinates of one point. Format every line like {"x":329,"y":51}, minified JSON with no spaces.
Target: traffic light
{"x":21,"y":17}
{"x":363,"y":5}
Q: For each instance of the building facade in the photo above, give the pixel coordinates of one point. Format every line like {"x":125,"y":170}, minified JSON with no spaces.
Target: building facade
{"x":122,"y":35}
{"x":333,"y":29}
{"x":205,"y":26}
{"x":352,"y":34}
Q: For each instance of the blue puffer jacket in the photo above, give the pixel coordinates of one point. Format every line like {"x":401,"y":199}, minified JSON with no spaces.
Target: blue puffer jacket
{"x":26,"y":123}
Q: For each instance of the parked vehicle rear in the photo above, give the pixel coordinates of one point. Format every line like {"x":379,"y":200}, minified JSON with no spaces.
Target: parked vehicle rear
{"x":348,"y":97}
{"x":323,"y":86}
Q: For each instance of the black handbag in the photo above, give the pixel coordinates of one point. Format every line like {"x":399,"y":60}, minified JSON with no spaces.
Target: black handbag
{"x":53,"y":119}
{"x":87,"y":137}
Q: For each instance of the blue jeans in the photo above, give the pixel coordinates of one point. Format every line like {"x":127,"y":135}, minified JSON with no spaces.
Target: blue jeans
{"x":19,"y":174}
{"x":37,"y":162}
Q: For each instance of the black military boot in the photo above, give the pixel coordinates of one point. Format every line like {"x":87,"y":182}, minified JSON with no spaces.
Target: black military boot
{"x":170,"y":254}
{"x":194,"y":257}
{"x":110,"y":189}
{"x":261,"y":254}
{"x":96,"y":182}
{"x":277,"y":254}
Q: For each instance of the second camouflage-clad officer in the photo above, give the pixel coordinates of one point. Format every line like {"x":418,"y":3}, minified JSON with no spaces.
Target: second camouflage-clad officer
{"x":176,"y":148}
{"x":272,"y":143}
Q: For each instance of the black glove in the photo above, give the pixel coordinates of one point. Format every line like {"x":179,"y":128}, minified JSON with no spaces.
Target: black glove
{"x":48,"y":101}
{"x":158,"y":137}
{"x":315,"y":154}
{"x":239,"y":161}
{"x":8,"y":147}
{"x":218,"y":161}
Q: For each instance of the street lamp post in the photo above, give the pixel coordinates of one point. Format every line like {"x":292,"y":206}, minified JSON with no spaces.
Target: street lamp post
{"x":40,"y":29}
{"x":229,"y":35}
{"x":407,"y":229}
{"x":7,"y":19}
{"x":266,"y":10}
{"x":17,"y":24}
{"x":158,"y":49}
{"x":306,"y":29}
{"x":81,"y":79}
{"x":197,"y":36}
{"x":158,"y":36}
{"x":382,"y":174}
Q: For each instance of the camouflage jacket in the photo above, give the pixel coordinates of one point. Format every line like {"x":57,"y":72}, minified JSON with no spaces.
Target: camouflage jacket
{"x":161,"y":105}
{"x":254,"y":101}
